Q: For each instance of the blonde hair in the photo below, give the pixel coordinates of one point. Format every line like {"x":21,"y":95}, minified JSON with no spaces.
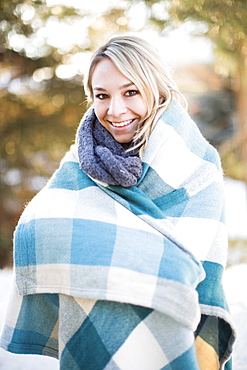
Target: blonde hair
{"x":136,"y":59}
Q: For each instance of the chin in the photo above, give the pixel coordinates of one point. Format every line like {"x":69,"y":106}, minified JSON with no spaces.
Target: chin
{"x":124,"y":140}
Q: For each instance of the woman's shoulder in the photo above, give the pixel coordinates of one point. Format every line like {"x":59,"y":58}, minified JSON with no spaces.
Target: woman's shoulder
{"x":182,"y":126}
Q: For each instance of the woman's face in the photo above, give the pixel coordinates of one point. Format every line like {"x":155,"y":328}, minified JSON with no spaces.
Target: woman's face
{"x":118,"y":104}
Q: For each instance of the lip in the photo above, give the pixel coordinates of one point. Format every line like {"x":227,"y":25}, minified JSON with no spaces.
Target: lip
{"x":122,"y":124}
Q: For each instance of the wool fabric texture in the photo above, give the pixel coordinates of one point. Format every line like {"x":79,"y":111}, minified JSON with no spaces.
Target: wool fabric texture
{"x":103,"y":158}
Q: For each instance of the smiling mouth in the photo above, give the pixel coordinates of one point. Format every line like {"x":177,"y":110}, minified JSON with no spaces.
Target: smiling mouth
{"x":122,"y":124}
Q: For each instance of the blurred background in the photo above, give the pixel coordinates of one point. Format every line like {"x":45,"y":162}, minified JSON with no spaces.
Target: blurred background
{"x":44,"y":48}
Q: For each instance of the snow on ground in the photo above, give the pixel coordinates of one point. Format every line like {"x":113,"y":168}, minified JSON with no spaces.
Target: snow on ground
{"x":235,"y":279}
{"x":236,"y":209}
{"x":235,"y":286}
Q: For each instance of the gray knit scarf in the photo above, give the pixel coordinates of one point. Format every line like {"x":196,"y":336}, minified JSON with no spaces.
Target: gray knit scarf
{"x":103,"y":158}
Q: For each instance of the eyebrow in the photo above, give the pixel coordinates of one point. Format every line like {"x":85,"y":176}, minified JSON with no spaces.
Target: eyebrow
{"x":121,"y":87}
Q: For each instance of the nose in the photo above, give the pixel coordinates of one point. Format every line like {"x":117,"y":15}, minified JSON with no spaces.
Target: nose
{"x":117,"y":106}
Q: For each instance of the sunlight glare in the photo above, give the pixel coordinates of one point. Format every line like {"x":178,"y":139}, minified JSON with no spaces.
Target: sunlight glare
{"x":41,"y":74}
{"x":81,"y":61}
{"x":66,"y":71}
{"x":176,"y":48}
{"x":63,"y":35}
{"x":88,"y":6}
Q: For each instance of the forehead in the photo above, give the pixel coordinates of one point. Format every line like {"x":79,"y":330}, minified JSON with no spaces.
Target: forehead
{"x":106,"y":73}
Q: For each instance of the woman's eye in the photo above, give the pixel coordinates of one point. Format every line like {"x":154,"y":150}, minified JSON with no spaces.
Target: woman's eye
{"x":131,"y":92}
{"x":101,"y":96}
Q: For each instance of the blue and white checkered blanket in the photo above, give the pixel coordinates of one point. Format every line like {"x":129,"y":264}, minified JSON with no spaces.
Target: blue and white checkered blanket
{"x":160,"y":245}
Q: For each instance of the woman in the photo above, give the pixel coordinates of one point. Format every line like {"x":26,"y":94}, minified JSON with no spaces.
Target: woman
{"x":119,"y":259}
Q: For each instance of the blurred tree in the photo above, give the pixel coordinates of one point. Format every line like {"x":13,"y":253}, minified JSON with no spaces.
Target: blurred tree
{"x":224,"y":23}
{"x":44,"y":45}
{"x":43,"y":48}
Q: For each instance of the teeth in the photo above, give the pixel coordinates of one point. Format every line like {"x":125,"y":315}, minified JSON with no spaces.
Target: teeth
{"x":121,"y":124}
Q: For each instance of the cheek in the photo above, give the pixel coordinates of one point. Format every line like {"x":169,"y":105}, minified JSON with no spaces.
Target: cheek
{"x":142,"y":107}
{"x":99,"y":111}
{"x":100,"y":114}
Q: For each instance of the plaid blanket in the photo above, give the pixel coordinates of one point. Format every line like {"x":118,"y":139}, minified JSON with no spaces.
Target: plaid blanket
{"x":157,"y":249}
